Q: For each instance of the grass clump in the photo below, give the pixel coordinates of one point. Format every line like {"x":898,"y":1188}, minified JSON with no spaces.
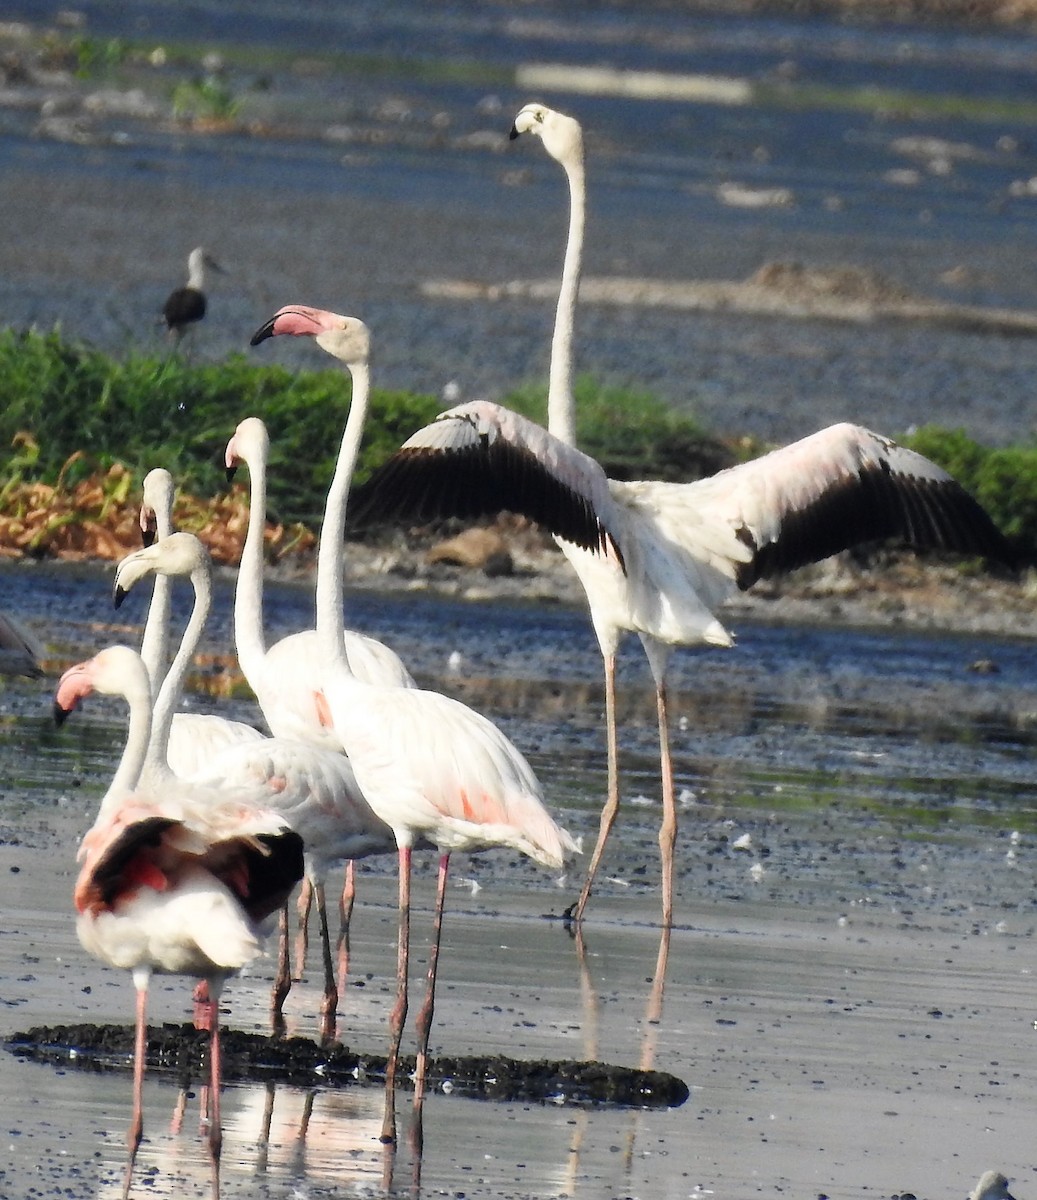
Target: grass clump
{"x":71,"y":411}
{"x":1003,"y":479}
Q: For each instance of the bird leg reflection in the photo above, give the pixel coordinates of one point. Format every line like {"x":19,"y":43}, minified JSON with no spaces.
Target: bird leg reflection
{"x":653,"y":1018}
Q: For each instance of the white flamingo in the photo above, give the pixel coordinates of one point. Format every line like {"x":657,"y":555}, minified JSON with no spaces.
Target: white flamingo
{"x":658,"y":559}
{"x":194,"y":738}
{"x":286,"y":677}
{"x":313,"y":788}
{"x":430,"y":766}
{"x":173,"y":881}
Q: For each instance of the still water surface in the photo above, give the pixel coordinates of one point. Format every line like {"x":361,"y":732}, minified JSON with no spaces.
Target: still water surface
{"x":849,"y":994}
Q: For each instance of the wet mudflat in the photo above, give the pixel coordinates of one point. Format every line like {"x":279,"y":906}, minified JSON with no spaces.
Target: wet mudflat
{"x":849,"y":995}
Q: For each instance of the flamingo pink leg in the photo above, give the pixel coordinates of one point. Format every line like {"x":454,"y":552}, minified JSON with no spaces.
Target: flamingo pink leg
{"x":329,"y":1002}
{"x":424,"y":1020}
{"x":283,"y":978}
{"x":136,"y":1130}
{"x":345,"y":912}
{"x":668,"y":828}
{"x":302,"y":942}
{"x":398,"y":1016}
{"x":611,"y":809}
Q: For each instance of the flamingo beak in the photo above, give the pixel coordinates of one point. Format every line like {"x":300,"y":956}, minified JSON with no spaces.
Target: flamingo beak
{"x":263,"y":332}
{"x":119,"y":594}
{"x":514,"y":133}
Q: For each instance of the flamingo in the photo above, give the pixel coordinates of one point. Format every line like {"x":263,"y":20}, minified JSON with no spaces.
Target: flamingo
{"x":314,"y":789}
{"x":194,"y":738}
{"x":431,"y":767}
{"x":173,"y":881}
{"x":658,"y":559}
{"x":186,"y":306}
{"x":285,"y":677}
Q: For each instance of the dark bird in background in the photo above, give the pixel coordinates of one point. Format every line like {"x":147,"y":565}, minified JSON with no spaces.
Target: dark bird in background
{"x":186,"y":305}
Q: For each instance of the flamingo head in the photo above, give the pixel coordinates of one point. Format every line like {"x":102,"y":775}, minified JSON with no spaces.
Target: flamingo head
{"x":148,"y":525}
{"x":107,"y":672}
{"x":178,"y":554}
{"x":156,"y":511}
{"x":250,"y":444}
{"x":345,"y":338}
{"x":561,"y":135}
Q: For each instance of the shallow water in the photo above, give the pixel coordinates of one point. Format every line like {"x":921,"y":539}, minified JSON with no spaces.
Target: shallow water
{"x":849,"y":995}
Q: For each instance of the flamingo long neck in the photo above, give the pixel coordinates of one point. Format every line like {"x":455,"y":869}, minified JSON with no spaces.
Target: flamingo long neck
{"x":249,"y":639}
{"x":156,"y":764}
{"x":561,"y":404}
{"x":154,"y":646}
{"x":330,"y":590}
{"x":137,"y":693}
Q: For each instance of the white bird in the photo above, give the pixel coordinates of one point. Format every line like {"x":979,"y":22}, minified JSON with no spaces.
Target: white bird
{"x":286,"y":677}
{"x":194,"y":738}
{"x":657,"y":559}
{"x":186,"y":306}
{"x":992,"y":1185}
{"x":431,"y":767}
{"x":312,"y":788}
{"x":173,"y":881}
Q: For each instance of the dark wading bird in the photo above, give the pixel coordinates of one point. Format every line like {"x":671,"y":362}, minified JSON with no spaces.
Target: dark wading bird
{"x":187,"y":305}
{"x":655,"y":558}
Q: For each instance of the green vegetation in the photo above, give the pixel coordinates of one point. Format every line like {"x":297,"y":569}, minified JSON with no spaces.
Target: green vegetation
{"x":1003,"y":480}
{"x":146,"y":412}
{"x":207,"y":99}
{"x":71,"y":413}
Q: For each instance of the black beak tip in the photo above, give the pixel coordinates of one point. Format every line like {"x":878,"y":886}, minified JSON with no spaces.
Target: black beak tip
{"x":231,"y":472}
{"x":60,"y":714}
{"x":118,"y":595}
{"x":262,"y":333}
{"x":148,"y":536}
{"x":513,"y":134}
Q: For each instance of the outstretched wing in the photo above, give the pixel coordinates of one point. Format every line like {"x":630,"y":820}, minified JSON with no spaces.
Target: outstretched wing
{"x":835,"y":489}
{"x":478,"y":459}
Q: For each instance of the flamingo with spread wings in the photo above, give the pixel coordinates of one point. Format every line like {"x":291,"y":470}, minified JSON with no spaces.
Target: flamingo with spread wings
{"x":654,"y":558}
